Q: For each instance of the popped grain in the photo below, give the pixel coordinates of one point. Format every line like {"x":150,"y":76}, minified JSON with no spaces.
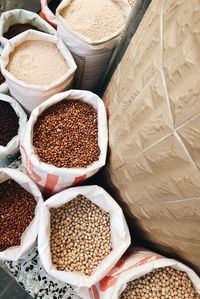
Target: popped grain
{"x":17,"y":209}
{"x":95,"y":19}
{"x":37,"y":62}
{"x":163,"y":283}
{"x":66,"y":135}
{"x":9,"y":123}
{"x":80,"y":236}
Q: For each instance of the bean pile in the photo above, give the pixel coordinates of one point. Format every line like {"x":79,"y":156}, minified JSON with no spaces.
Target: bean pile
{"x":9,"y":123}
{"x":17,"y":29}
{"x":17,"y":209}
{"x":66,"y":135}
{"x":163,"y":283}
{"x":80,"y":236}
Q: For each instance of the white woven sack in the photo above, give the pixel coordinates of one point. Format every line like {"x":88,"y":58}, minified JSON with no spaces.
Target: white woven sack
{"x":3,"y":88}
{"x":30,"y":234}
{"x":52,"y":179}
{"x":119,"y":232}
{"x":9,"y":152}
{"x":132,"y":267}
{"x":21,"y":16}
{"x":28,"y":95}
{"x":92,"y":57}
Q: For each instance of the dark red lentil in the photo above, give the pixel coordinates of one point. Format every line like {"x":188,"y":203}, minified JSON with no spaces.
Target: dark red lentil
{"x":17,"y":29}
{"x":9,"y":123}
{"x":66,"y":135}
{"x":17,"y":209}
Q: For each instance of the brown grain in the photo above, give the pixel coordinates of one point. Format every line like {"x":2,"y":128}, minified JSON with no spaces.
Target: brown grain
{"x":17,"y":208}
{"x":9,"y":123}
{"x":17,"y":29}
{"x":66,"y":135}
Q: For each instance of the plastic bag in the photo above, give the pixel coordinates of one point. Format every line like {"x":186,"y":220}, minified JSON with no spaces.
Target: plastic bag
{"x":119,"y":232}
{"x":9,"y":152}
{"x":20,"y":16}
{"x":52,"y":179}
{"x":28,"y":95}
{"x":47,"y":14}
{"x":30,"y":234}
{"x":129,"y":268}
{"x":92,"y":58}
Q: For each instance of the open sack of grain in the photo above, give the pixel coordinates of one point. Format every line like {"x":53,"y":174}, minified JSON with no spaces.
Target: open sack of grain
{"x":12,"y":121}
{"x":36,"y":65}
{"x":16,"y":21}
{"x":91,"y":30}
{"x":65,"y":140}
{"x":144,"y":274}
{"x":20,"y":203}
{"x":82,"y":235}
{"x":48,"y":11}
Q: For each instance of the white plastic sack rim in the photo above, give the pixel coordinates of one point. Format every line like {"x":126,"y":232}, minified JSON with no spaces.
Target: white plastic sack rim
{"x":30,"y":234}
{"x":139,"y":271}
{"x":122,"y":3}
{"x":4,"y":88}
{"x":21,"y":16}
{"x":87,"y":97}
{"x":119,"y":231}
{"x":47,"y":12}
{"x":14,"y":142}
{"x":36,"y":35}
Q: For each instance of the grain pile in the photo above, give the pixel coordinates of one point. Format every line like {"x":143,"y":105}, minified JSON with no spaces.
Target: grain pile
{"x":80,"y":236}
{"x":37,"y":62}
{"x":94,"y":19}
{"x":66,"y":135}
{"x":164,"y":283}
{"x":17,"y":29}
{"x":9,"y":123}
{"x":17,"y":209}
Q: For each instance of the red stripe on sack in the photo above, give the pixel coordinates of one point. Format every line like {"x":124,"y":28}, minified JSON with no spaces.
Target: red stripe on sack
{"x":50,"y":184}
{"x":95,"y":292}
{"x":107,"y":282}
{"x":29,"y":166}
{"x":79,"y":179}
{"x":120,"y":264}
{"x":142,"y":262}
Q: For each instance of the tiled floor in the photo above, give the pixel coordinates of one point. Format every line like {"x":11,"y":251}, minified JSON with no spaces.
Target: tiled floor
{"x":9,"y":288}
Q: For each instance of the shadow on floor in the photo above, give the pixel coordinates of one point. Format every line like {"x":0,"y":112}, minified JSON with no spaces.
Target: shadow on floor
{"x":10,"y":289}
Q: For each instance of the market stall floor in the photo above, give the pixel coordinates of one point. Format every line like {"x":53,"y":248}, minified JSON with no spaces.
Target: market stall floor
{"x":10,"y":289}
